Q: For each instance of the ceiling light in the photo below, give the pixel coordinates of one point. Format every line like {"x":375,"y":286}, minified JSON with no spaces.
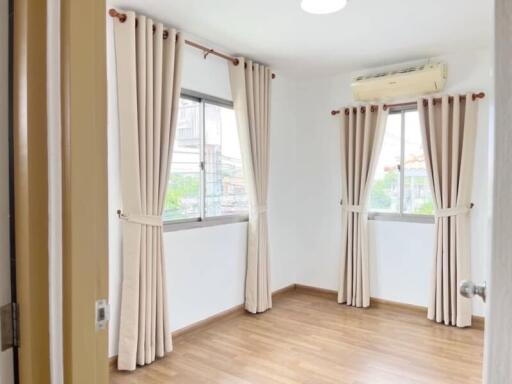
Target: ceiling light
{"x":323,"y":7}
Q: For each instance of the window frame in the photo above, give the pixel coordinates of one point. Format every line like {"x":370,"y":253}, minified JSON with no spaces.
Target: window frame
{"x":203,"y":220}
{"x":401,"y":216}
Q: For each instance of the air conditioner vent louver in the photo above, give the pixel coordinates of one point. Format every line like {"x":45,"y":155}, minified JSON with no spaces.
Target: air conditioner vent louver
{"x":411,"y":81}
{"x":407,"y":70}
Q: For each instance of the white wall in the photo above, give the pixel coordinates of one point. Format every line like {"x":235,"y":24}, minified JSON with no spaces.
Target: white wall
{"x":400,"y":252}
{"x":206,"y":267}
{"x":6,"y":368}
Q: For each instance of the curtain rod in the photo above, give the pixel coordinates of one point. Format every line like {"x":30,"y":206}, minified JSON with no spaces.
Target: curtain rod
{"x":207,"y":51}
{"x":479,"y":95}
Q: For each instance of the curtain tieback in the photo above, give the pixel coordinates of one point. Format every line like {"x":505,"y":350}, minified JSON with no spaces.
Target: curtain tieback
{"x":455,"y":211}
{"x":353,"y":208}
{"x":150,"y":220}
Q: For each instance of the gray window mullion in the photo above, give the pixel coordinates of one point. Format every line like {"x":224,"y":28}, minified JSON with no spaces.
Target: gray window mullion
{"x":202,"y":164}
{"x":402,"y":161}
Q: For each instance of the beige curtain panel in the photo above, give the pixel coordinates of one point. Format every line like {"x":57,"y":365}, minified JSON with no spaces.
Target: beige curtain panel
{"x":250,"y":87}
{"x":362,"y":133}
{"x":449,"y":130}
{"x":148,"y":87}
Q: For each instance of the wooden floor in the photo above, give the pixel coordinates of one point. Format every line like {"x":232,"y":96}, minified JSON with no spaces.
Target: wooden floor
{"x":309,"y":338}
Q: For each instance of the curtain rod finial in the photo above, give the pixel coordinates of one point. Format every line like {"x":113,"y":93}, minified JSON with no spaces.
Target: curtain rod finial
{"x":334,"y":113}
{"x":113,"y":13}
{"x":479,"y":95}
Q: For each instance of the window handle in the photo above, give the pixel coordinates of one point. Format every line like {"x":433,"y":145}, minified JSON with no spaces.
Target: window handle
{"x":201,"y":165}
{"x":398,"y":167}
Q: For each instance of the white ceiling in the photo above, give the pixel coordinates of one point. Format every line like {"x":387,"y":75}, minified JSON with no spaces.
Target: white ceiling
{"x":367,"y":33}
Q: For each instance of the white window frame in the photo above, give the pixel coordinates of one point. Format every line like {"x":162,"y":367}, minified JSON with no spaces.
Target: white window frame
{"x":401,"y":216}
{"x":203,"y":220}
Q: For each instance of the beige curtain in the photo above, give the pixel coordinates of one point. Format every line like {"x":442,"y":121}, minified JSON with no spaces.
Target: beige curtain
{"x":148,"y":87}
{"x":250,"y":87}
{"x":449,"y":130}
{"x":362,"y":132}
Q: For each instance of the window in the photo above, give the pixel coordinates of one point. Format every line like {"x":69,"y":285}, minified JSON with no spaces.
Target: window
{"x":400,"y":186}
{"x":206,"y":179}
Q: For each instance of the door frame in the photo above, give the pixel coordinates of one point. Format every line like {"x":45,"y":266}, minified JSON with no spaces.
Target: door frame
{"x":12,"y":222}
{"x":84,"y":188}
{"x":9,"y":14}
{"x":30,"y":188}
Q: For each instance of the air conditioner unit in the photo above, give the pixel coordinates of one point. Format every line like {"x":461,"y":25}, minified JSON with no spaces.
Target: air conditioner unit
{"x":412,"y":81}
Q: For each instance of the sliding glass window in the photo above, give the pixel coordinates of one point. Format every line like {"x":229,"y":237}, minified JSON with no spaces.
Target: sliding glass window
{"x":400,"y":189}
{"x":206,"y":183}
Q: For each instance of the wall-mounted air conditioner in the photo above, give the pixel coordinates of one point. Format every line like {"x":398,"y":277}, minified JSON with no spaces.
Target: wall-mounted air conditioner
{"x":412,"y":81}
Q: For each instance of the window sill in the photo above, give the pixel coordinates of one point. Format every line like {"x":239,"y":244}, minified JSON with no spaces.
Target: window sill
{"x":181,"y":225}
{"x":407,"y":218}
